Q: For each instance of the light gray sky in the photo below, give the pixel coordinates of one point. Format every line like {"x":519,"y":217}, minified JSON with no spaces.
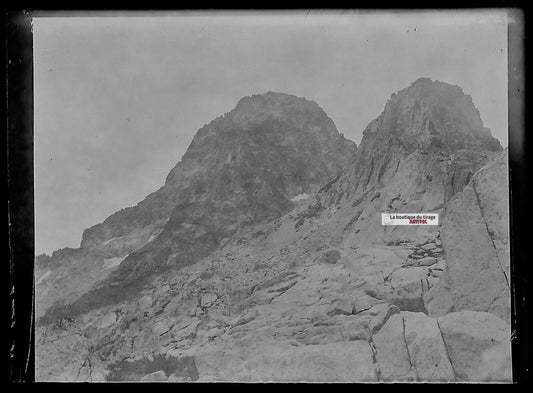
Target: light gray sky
{"x":119,"y":99}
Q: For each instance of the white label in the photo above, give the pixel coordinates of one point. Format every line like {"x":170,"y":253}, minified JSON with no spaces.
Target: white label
{"x":409,"y":219}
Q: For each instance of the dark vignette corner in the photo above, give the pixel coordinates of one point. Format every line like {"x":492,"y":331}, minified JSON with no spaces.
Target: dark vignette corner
{"x":518,"y":189}
{"x":20,"y":223}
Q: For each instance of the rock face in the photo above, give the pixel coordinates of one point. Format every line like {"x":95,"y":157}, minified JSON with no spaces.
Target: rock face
{"x":476,"y":230}
{"x":323,"y":292}
{"x":243,"y":168}
{"x":334,"y":362}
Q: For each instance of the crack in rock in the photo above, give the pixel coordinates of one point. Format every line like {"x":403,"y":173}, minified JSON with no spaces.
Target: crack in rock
{"x":411,"y":365}
{"x":374,"y":358}
{"x":488,"y":232}
{"x":446,"y":350}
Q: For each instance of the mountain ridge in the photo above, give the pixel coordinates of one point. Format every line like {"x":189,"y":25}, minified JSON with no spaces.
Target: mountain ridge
{"x":322,"y":287}
{"x":242,"y":168}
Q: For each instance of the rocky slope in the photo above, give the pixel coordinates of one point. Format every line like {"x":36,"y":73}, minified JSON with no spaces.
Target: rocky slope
{"x":325,"y":292}
{"x":241,"y":169}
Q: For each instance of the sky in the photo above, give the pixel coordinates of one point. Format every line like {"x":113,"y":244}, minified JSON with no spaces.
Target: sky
{"x":119,"y":98}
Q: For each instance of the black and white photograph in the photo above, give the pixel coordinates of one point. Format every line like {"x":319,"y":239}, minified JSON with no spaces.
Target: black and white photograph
{"x":272,"y":196}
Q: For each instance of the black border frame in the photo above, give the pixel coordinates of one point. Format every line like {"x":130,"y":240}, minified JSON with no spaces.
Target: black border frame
{"x":19,"y":273}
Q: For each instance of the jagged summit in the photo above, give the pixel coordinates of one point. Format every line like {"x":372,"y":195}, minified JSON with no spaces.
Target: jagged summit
{"x":419,"y":152}
{"x":257,"y":118}
{"x":427,"y":80}
{"x":253,"y":110}
{"x":429,"y":84}
{"x":273,"y":97}
{"x":433,"y":114}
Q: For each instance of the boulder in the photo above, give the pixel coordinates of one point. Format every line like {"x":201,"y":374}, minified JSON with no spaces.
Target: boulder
{"x":478,"y":345}
{"x":426,"y":348}
{"x":108,"y":320}
{"x":428,"y":247}
{"x":340,"y":307}
{"x":409,"y":285}
{"x":391,"y":351}
{"x":427,"y":261}
{"x":331,"y":256}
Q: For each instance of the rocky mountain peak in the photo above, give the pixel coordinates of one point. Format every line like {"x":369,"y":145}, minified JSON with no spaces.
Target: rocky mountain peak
{"x":242,"y":169}
{"x":283,"y":119}
{"x":433,"y":114}
{"x":414,"y":157}
{"x":252,"y":111}
{"x":289,"y":111}
{"x":255,"y":108}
